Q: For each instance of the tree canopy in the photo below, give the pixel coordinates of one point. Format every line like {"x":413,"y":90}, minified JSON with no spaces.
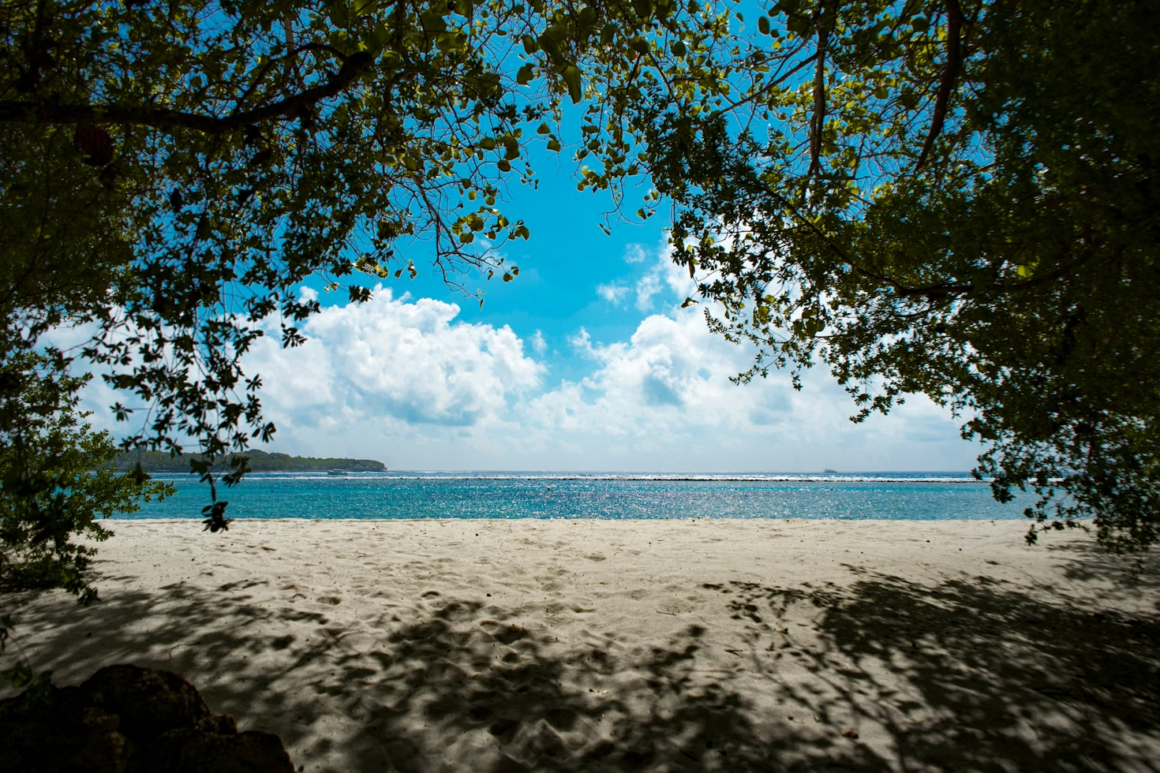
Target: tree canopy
{"x":173,"y":171}
{"x":957,"y":199}
{"x":951,"y":198}
{"x":176,"y":170}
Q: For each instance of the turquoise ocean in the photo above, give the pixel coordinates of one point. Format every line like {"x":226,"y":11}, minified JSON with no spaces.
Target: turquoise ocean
{"x":608,"y":496}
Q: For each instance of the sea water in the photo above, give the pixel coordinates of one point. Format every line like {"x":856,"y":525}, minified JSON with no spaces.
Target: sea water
{"x":608,"y":496}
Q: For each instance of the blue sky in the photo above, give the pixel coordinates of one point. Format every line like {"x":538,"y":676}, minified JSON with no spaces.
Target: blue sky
{"x":585,"y":362}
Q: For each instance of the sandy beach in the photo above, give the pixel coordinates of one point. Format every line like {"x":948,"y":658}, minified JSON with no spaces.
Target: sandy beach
{"x":635,"y":645}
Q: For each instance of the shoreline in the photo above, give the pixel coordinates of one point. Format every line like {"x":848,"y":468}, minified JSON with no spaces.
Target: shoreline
{"x":568,"y":519}
{"x":583,"y":644}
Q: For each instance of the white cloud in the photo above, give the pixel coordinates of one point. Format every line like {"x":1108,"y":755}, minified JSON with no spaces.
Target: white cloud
{"x":399,"y":359}
{"x":581,"y":343}
{"x":97,"y":397}
{"x":646,"y":287}
{"x":650,"y":286}
{"x":613,"y":293}
{"x":635,"y":253}
{"x":404,"y":381}
{"x":663,"y":401}
{"x":663,"y":274}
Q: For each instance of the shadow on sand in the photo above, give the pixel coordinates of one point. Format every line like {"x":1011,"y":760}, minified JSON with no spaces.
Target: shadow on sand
{"x":966,"y":675}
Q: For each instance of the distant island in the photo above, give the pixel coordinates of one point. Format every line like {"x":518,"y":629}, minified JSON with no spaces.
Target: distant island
{"x":260,"y":461}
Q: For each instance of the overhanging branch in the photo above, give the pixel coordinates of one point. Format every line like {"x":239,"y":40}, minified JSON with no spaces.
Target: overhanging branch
{"x":946,"y":84}
{"x":818,"y":119}
{"x":352,"y":69}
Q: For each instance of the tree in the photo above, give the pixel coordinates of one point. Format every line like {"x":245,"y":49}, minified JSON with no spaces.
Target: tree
{"x":954,"y":198}
{"x":173,"y":171}
{"x":54,"y":478}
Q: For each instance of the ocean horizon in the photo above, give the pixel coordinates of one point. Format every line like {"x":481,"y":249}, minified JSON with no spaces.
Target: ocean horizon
{"x":426,"y":494}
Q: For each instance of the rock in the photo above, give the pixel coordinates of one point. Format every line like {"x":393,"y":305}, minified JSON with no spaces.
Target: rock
{"x":222,"y":724}
{"x":197,"y":750}
{"x":127,"y":719}
{"x":148,"y":702}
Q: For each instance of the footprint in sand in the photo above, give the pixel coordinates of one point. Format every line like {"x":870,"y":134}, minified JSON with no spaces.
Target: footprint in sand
{"x":504,"y":634}
{"x":597,"y":557}
{"x":673,"y":608}
{"x":561,"y":719}
{"x":458,"y":612}
{"x":504,"y":727}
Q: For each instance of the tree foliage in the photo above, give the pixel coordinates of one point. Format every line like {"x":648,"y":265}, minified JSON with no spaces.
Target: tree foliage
{"x":206,"y":157}
{"x":49,"y":492}
{"x":953,"y":198}
{"x":173,"y":171}
{"x":257,"y":460}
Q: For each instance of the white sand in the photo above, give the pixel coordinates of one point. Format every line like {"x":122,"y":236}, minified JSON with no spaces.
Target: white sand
{"x":664,"y":645}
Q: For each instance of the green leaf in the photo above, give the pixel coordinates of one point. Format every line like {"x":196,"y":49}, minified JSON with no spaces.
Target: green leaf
{"x":339,"y":13}
{"x":525,"y":74}
{"x":571,"y":76}
{"x":511,"y":147}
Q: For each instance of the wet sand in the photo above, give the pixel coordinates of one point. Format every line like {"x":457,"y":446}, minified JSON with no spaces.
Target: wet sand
{"x":636,"y":645}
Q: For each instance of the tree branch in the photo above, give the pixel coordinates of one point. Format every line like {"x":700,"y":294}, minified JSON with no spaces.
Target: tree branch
{"x":777,"y":81}
{"x":943,"y":290}
{"x":817,"y":121}
{"x":352,"y":68}
{"x":949,"y":75}
{"x":294,"y":52}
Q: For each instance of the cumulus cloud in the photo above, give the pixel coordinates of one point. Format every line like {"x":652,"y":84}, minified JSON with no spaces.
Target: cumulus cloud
{"x":399,"y":359}
{"x":407,"y":382}
{"x":663,"y":400}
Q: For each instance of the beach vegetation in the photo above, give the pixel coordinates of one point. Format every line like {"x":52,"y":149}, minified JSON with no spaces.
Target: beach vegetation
{"x":49,"y":491}
{"x":257,"y":461}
